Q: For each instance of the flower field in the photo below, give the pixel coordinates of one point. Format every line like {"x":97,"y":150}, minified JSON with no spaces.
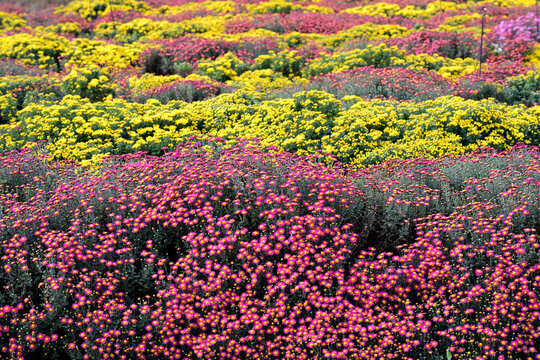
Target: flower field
{"x":269,"y":179}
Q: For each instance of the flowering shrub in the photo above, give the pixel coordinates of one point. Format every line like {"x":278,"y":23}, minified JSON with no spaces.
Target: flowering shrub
{"x":86,"y":131}
{"x":260,"y":80}
{"x":523,"y":29}
{"x":248,"y":49}
{"x":44,"y":51}
{"x":50,"y":20}
{"x":380,"y":8}
{"x":86,"y":52}
{"x":19,"y":91}
{"x":367,"y":132}
{"x":10,"y":21}
{"x":307,"y":23}
{"x":147,"y":29}
{"x":161,"y":60}
{"x":91,"y":82}
{"x":379,"y":56}
{"x":449,"y":68}
{"x":371,"y":132}
{"x":286,"y":62}
{"x":94,"y":8}
{"x":368,"y":31}
{"x":391,"y":83}
{"x":8,"y":104}
{"x":523,"y":89}
{"x":204,"y":8}
{"x":273,"y":6}
{"x":183,"y":90}
{"x":148,"y":81}
{"x":224,"y":68}
{"x":451,"y":45}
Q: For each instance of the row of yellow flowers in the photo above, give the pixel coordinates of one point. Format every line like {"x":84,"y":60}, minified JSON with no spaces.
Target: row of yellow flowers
{"x":94,"y":8}
{"x":356,"y":131}
{"x":47,"y":49}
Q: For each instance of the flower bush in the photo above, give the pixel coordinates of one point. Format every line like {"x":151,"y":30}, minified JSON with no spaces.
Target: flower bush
{"x":95,"y":8}
{"x":23,"y":90}
{"x":91,"y":82}
{"x":285,"y":62}
{"x":224,"y":68}
{"x":9,"y":21}
{"x":44,"y":51}
{"x":183,"y":90}
{"x":450,"y":45}
{"x":162,"y":60}
{"x":386,"y":83}
{"x":522,"y":29}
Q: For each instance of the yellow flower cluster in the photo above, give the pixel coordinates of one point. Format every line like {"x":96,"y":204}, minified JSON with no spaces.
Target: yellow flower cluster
{"x":273,"y":6}
{"x":534,"y":56}
{"x":60,"y":28}
{"x":90,"y":82}
{"x":8,"y":108}
{"x":440,"y":6}
{"x":260,"y":80}
{"x":374,"y":131}
{"x":410,"y":11}
{"x":366,"y":31}
{"x":46,"y":50}
{"x":449,"y":68}
{"x":10,"y":21}
{"x":143,"y":29}
{"x":139,"y":84}
{"x":366,"y":133}
{"x":285,"y":7}
{"x":83,"y":52}
{"x":91,"y":9}
{"x":220,"y":7}
{"x":318,"y":9}
{"x":77,"y":129}
{"x":224,"y":68}
{"x":457,"y":23}
{"x":378,"y":56}
{"x":43,"y":50}
{"x":208,"y":26}
{"x":287,"y":62}
{"x":380,"y":8}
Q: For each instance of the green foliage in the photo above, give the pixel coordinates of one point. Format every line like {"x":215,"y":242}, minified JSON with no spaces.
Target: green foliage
{"x":319,"y":101}
{"x":522,"y":90}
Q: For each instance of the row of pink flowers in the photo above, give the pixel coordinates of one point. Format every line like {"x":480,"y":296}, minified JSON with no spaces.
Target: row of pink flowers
{"x":212,"y":253}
